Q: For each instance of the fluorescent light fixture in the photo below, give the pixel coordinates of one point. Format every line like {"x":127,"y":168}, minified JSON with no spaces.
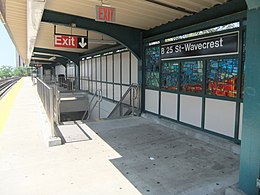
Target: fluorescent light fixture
{"x":108,"y":53}
{"x":52,"y":58}
{"x":121,"y":50}
{"x":68,"y":98}
{"x":102,"y":41}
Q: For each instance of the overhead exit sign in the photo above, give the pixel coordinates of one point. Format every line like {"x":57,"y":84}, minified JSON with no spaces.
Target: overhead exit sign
{"x":70,"y":41}
{"x":105,"y":14}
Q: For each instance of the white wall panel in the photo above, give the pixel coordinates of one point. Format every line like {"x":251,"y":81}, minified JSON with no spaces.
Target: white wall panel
{"x":190,"y":110}
{"x":240,"y":121}
{"x":81,"y":74}
{"x":98,"y":69}
{"x":125,"y":68}
{"x":70,"y":71}
{"x":98,"y":85}
{"x":152,"y":101}
{"x":85,"y":85}
{"x":91,"y":86}
{"x":169,"y":105}
{"x":117,"y":92}
{"x":89,"y":69}
{"x":86,"y":68}
{"x":117,"y":68}
{"x":81,"y":67}
{"x":94,"y":68}
{"x":94,"y":86}
{"x":59,"y":70}
{"x":220,"y":116}
{"x":124,"y":88}
{"x":110,"y":91}
{"x":109,"y":68}
{"x":134,"y":69}
{"x":104,"y":69}
{"x":104,"y":88}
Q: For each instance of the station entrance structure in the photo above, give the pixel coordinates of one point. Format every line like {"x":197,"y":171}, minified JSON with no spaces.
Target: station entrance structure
{"x":199,"y":69}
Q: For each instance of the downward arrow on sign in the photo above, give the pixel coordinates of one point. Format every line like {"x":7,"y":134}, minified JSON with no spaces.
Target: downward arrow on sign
{"x":82,"y":43}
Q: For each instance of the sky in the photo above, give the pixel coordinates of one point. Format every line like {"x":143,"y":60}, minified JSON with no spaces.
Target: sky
{"x":7,"y":48}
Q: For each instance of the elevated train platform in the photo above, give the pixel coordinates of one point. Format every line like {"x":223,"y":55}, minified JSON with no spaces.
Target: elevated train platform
{"x":132,"y":155}
{"x":188,"y":69}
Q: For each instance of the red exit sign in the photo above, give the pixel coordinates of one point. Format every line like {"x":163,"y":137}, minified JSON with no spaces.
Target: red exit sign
{"x":107,"y":14}
{"x":70,"y":41}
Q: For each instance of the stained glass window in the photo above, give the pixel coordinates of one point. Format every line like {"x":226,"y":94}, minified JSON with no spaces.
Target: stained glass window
{"x":169,"y":76}
{"x":152,"y":56}
{"x":222,"y":77}
{"x":243,"y":64}
{"x":192,"y":76}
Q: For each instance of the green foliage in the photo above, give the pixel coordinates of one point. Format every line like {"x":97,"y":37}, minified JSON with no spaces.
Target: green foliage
{"x":20,"y":71}
{"x":7,"y":71}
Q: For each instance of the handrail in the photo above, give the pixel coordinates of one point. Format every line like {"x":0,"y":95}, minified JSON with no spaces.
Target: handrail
{"x":132,"y":89}
{"x":89,"y":110}
{"x":46,"y":95}
{"x":43,"y":83}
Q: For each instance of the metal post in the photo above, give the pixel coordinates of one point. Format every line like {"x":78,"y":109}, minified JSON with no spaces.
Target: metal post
{"x":99,"y":101}
{"x":51,"y":108}
{"x":58,"y":106}
{"x":98,"y":104}
{"x":133,"y":99}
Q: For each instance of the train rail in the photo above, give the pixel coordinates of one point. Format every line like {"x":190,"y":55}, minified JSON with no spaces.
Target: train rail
{"x":6,"y":84}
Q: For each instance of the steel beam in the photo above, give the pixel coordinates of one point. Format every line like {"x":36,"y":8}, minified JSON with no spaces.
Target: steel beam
{"x":127,"y":36}
{"x":61,"y":60}
{"x":69,"y":55}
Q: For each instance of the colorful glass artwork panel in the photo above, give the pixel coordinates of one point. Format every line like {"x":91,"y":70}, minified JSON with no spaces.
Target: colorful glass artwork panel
{"x":152,"y":56}
{"x":192,"y":76}
{"x":222,"y":77}
{"x":169,"y":75}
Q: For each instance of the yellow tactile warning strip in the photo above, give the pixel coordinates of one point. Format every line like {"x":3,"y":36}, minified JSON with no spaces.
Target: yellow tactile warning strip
{"x":6,"y":104}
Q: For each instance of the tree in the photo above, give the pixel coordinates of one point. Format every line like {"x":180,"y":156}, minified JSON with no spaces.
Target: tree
{"x":20,"y":71}
{"x":6,"y":71}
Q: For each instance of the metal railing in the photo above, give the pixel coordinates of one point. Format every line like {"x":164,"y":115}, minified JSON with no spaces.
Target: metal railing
{"x":90,"y":109}
{"x":128,"y":104}
{"x":46,"y":95}
{"x":56,"y":104}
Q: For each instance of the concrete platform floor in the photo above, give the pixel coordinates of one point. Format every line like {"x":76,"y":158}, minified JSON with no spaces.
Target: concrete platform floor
{"x":160,"y":160}
{"x":127,"y":156}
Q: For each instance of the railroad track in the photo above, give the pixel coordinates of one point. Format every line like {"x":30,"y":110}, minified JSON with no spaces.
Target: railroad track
{"x":6,"y":84}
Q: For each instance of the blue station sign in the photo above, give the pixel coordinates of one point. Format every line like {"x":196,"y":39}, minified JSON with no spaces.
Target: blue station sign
{"x":224,"y":44}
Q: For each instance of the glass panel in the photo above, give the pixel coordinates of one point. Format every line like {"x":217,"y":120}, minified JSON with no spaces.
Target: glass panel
{"x":152,"y":56}
{"x":203,"y":32}
{"x":222,"y":77}
{"x":243,"y":64}
{"x":169,"y":75}
{"x":192,"y":76}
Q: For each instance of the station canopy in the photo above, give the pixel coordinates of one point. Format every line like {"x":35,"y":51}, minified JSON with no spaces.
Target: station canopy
{"x":23,"y":20}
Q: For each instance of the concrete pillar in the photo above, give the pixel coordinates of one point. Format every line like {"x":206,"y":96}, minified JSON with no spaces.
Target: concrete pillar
{"x":250,"y":146}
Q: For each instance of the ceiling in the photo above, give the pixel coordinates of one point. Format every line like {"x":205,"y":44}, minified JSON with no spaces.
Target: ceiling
{"x":141,"y":14}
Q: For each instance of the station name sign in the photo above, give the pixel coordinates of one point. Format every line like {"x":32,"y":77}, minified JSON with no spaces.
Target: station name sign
{"x":105,"y":14}
{"x":70,"y":41}
{"x":224,"y":44}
